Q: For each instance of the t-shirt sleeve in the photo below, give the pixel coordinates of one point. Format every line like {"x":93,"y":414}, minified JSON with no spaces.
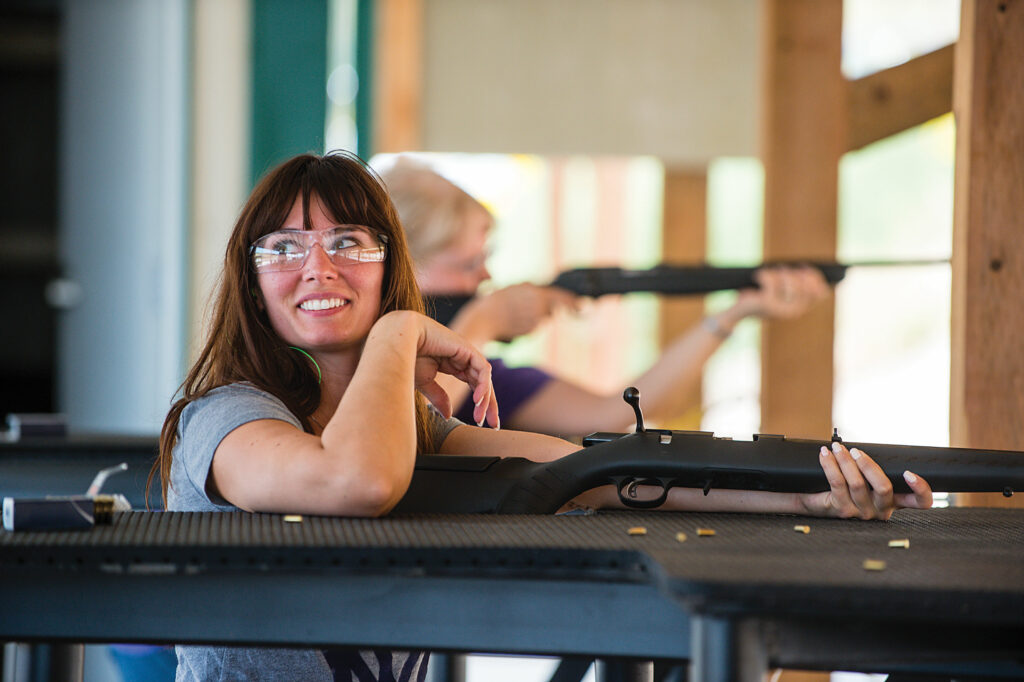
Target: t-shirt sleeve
{"x":204,"y":424}
{"x":513,"y":386}
{"x":439,"y":428}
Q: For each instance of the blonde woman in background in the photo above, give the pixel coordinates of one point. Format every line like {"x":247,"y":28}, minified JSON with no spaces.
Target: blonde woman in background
{"x":447,"y":231}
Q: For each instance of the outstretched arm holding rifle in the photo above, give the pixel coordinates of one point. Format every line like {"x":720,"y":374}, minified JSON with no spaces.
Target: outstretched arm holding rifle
{"x":447,"y":232}
{"x":564,"y":407}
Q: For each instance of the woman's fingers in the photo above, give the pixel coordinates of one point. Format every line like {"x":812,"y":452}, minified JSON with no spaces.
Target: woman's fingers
{"x":921,"y":495}
{"x":491,"y":413}
{"x":562,"y":298}
{"x":472,"y":367}
{"x":859,"y":490}
{"x":438,"y":397}
{"x":442,"y":350}
{"x":880,"y":485}
{"x":858,"y":487}
{"x":787,"y":292}
{"x":814,"y":283}
{"x":520,"y":308}
{"x":485,"y":404}
{"x":838,"y":498}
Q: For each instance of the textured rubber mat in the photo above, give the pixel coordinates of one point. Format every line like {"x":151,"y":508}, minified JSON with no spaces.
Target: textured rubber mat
{"x":949,"y":563}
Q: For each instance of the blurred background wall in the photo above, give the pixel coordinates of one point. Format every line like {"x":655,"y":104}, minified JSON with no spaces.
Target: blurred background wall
{"x":135,"y":129}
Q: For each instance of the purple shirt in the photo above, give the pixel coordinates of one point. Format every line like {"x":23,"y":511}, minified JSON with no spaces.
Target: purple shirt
{"x":513,"y":386}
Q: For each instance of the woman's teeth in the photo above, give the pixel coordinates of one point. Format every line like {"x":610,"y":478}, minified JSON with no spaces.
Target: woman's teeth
{"x":321,"y":303}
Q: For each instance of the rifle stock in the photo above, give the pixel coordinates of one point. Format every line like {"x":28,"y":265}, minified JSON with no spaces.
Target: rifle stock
{"x":667,"y":459}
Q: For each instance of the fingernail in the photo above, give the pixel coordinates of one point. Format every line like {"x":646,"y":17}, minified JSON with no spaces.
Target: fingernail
{"x":855,"y":453}
{"x":497,"y":424}
{"x":481,"y":422}
{"x":909,"y":477}
{"x":836,"y":448}
{"x":824,"y":451}
{"x":477,"y":403}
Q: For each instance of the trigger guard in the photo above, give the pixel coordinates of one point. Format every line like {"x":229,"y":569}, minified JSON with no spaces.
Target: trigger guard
{"x":627,"y":493}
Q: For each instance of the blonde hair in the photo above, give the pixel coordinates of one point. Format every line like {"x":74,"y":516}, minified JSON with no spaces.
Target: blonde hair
{"x":432,"y":209}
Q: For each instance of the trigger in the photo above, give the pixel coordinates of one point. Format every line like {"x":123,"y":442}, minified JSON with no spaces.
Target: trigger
{"x":630,"y":488}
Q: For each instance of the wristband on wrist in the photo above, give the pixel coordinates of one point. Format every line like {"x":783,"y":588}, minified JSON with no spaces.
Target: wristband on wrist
{"x":713,"y":325}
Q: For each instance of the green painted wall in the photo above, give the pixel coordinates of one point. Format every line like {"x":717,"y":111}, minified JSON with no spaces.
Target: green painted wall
{"x":289,"y":95}
{"x":364,"y":67}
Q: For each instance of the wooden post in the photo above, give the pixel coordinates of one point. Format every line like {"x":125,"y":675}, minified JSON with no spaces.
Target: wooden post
{"x":397,"y":75}
{"x":802,"y":140}
{"x":895,"y":99}
{"x":684,"y":240}
{"x":987,"y":377}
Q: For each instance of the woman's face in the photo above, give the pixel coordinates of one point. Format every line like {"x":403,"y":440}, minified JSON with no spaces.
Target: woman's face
{"x":461,"y":267}
{"x":323,"y":305}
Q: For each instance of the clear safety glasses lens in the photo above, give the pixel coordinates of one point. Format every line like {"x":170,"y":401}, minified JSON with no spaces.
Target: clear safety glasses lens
{"x":344,"y":245}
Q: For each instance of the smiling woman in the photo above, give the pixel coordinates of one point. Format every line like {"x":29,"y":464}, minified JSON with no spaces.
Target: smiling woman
{"x":310,"y":395}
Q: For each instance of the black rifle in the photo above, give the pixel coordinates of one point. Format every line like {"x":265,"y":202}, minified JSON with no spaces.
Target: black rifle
{"x":664,"y":279}
{"x":689,"y":279}
{"x":678,"y":280}
{"x":691,"y":459}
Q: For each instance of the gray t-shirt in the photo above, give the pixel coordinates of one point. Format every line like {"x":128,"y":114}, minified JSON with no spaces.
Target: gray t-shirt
{"x":203,"y":424}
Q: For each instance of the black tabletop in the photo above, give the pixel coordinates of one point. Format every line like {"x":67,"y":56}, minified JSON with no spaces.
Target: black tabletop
{"x":946,"y":563}
{"x":628,"y":583}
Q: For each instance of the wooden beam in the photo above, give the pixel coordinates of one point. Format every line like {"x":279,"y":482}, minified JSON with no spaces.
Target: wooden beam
{"x":987,"y":377}
{"x":684,"y":240}
{"x":803,"y":136}
{"x":397,"y":75}
{"x":893,"y":100}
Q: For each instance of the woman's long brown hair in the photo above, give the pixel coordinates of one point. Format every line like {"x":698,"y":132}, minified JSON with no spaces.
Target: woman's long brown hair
{"x":241,"y":345}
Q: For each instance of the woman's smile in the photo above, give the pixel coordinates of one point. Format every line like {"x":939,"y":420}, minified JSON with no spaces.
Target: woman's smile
{"x":322,"y":304}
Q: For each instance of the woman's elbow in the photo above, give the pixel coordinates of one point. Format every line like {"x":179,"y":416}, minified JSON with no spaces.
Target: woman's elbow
{"x":383,"y":495}
{"x":371,"y":496}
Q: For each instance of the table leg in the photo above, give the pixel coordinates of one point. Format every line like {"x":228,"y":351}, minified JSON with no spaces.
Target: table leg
{"x":67,"y":662}
{"x":571,"y":669}
{"x":49,"y":662}
{"x":623,"y":670}
{"x":726,"y":649}
{"x":446,"y":668}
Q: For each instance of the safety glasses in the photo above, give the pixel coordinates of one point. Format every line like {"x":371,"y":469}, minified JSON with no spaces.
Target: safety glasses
{"x":344,"y":245}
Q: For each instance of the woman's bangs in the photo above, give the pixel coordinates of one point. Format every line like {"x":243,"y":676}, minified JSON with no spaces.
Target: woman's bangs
{"x":353,"y":206}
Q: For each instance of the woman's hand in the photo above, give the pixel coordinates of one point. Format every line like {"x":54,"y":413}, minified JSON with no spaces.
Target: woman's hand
{"x":511,"y":311}
{"x":784,"y":292}
{"x":860,"y":489}
{"x":440,"y":350}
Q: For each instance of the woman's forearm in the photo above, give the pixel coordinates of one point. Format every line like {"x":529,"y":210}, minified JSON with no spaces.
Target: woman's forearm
{"x":375,"y":423}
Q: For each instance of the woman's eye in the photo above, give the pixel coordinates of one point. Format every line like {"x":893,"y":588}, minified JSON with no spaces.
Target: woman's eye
{"x":344,"y":242}
{"x":285,"y":246}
